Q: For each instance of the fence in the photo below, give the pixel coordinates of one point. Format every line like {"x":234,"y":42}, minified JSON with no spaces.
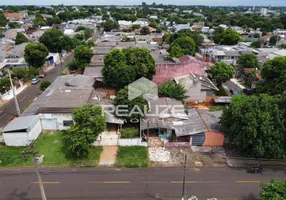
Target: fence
{"x":119,"y":142}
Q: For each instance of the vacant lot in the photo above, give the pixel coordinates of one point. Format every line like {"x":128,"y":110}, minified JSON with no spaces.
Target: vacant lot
{"x":54,"y":151}
{"x":135,"y":156}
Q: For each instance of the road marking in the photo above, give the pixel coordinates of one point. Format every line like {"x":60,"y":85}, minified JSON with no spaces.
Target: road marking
{"x":47,"y":182}
{"x":248,"y":181}
{"x":181,"y":182}
{"x":108,"y":182}
{"x":23,"y":99}
{"x":3,"y":115}
{"x":154,"y":182}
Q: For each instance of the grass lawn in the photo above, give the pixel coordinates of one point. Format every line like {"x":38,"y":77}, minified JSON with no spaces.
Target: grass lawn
{"x":134,"y":156}
{"x":216,"y":108}
{"x":11,"y":157}
{"x":54,"y":151}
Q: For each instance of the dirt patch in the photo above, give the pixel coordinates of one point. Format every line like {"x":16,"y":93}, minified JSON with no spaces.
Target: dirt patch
{"x":197,"y":157}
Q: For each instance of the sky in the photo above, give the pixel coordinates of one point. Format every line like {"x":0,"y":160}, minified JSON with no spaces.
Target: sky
{"x":136,"y":2}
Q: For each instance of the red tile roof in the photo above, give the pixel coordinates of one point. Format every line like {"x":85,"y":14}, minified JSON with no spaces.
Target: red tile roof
{"x":167,"y":72}
{"x":14,"y":15}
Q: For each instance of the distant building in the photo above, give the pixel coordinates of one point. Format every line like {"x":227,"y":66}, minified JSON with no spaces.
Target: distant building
{"x":14,"y":16}
{"x":263,"y":11}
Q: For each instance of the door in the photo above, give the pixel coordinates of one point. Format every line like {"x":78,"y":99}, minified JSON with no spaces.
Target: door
{"x":49,"y":124}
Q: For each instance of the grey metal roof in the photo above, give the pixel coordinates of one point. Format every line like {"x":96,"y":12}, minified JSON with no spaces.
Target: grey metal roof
{"x":93,"y":72}
{"x":222,"y":99}
{"x":75,"y":82}
{"x":21,"y":123}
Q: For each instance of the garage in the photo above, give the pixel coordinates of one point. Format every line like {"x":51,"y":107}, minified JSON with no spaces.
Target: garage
{"x":22,"y":131}
{"x":49,"y":124}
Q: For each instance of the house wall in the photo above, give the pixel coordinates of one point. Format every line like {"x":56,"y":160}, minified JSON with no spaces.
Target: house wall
{"x":35,"y":131}
{"x":196,"y":94}
{"x":16,"y":139}
{"x":213,"y":138}
{"x":59,"y":119}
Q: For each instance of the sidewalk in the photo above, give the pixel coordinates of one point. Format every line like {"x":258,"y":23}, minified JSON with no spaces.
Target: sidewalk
{"x":108,"y":156}
{"x":242,"y":162}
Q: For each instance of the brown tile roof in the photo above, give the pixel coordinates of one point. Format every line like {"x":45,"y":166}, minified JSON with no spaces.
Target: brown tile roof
{"x":248,"y":70}
{"x":258,"y":75}
{"x":14,"y":15}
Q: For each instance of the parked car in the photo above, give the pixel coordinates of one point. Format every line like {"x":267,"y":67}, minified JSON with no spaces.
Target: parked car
{"x":42,"y":75}
{"x":248,"y":91}
{"x":35,"y":81}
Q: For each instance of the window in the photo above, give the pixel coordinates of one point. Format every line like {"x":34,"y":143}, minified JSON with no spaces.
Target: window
{"x":68,"y":122}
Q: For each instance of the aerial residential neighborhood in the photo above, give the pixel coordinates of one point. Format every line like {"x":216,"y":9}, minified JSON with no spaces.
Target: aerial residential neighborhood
{"x":142,"y":100}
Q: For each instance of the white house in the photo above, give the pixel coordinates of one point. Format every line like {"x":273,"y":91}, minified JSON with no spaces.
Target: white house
{"x":22,"y":130}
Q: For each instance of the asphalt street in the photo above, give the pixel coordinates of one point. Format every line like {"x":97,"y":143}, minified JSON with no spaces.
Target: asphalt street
{"x":151,"y":183}
{"x":8,"y":111}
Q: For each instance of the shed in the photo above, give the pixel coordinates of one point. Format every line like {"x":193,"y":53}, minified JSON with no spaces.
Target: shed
{"x":22,"y":130}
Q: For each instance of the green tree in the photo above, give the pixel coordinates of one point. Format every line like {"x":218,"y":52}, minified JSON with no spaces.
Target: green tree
{"x":83,"y":54}
{"x":221,"y":72}
{"x":273,"y":73}
{"x":45,"y":84}
{"x":135,"y":109}
{"x":5,"y":83}
{"x":230,"y":37}
{"x":256,"y":44}
{"x":109,"y":25}
{"x":145,"y":30}
{"x":21,"y":38}
{"x":35,"y":54}
{"x":122,"y":67}
{"x":274,"y":39}
{"x":274,"y":190}
{"x":14,"y":25}
{"x":52,"y":39}
{"x":254,"y":126}
{"x":88,"y":33}
{"x":248,"y":60}
{"x":89,"y":122}
{"x":76,"y":65}
{"x":57,"y":20}
{"x":172,"y":90}
{"x":182,"y":46}
{"x":3,"y":20}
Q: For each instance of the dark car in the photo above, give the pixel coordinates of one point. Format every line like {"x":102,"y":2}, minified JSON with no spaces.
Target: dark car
{"x":248,"y":91}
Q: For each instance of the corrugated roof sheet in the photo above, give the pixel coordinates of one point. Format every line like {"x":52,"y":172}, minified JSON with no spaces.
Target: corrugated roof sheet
{"x":21,"y":123}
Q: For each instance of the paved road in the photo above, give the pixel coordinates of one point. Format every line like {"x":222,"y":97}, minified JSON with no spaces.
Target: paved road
{"x":151,"y":183}
{"x":8,"y":111}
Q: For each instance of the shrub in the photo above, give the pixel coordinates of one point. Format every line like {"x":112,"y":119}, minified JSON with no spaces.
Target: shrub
{"x":129,"y":133}
{"x":44,"y":85}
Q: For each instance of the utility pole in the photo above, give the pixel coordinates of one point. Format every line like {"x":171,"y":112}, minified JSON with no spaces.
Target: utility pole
{"x":184,"y":193}
{"x":14,"y":94}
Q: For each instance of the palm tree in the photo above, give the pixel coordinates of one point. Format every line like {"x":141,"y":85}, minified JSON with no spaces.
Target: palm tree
{"x":172,"y":90}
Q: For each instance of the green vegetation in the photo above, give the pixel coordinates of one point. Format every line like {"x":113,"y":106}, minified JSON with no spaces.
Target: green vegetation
{"x":129,"y":133}
{"x":11,"y":157}
{"x":139,"y":102}
{"x":89,"y":122}
{"x":274,"y":190}
{"x":216,"y":108}
{"x":222,"y":91}
{"x":54,"y":150}
{"x":182,"y":46}
{"x":132,"y":157}
{"x":255,"y":125}
{"x":20,"y":38}
{"x":122,"y":67}
{"x":221,"y":72}
{"x":45,"y":84}
{"x":35,"y":54}
{"x":248,"y":60}
{"x":172,"y":90}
